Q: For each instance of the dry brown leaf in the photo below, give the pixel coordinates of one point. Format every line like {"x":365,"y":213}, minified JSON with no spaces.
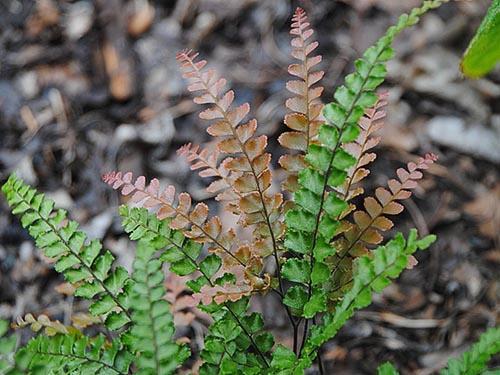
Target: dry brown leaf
{"x":485,"y":209}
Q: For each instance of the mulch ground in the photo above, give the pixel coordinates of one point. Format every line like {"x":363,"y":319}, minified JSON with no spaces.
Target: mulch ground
{"x":90,"y":86}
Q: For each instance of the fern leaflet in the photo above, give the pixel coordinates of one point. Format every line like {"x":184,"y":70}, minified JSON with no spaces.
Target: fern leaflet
{"x":474,"y":360}
{"x":387,"y":369}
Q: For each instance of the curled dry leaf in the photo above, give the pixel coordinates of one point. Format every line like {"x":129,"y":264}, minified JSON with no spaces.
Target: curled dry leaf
{"x":51,"y":328}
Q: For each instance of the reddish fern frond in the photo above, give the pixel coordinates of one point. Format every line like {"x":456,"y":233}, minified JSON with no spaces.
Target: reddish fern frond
{"x":371,"y":122}
{"x":304,"y":121}
{"x":193,"y":222}
{"x":249,"y":165}
{"x":220,"y":294}
{"x":368,"y":223}
{"x":206,"y":162}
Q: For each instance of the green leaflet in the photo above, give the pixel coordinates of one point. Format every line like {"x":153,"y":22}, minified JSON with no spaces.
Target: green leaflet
{"x":296,"y":297}
{"x":483,"y":51}
{"x":210,"y":265}
{"x":80,"y":261}
{"x":296,"y":270}
{"x":387,"y":369}
{"x":151,"y":335}
{"x":74,"y":353}
{"x":316,"y":304}
{"x":283,"y":358}
{"x":474,"y":360}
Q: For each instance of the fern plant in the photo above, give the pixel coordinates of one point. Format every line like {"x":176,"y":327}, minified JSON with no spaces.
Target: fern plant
{"x":313,"y":247}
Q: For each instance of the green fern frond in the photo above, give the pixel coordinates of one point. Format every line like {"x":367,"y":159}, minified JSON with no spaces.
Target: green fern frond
{"x":75,"y":354}
{"x":84,"y":264}
{"x":387,"y":368}
{"x":474,"y":360}
{"x":315,"y":220}
{"x":152,"y":331}
{"x":371,"y":274}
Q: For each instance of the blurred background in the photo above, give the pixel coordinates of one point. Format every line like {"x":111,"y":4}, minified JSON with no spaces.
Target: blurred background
{"x":92,"y":86}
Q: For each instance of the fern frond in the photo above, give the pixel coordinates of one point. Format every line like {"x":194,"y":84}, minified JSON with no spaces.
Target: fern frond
{"x":306,"y":106}
{"x":387,"y":368}
{"x":75,"y":354}
{"x":371,"y":274}
{"x":84,"y":264}
{"x":236,"y":342}
{"x":250,"y":164}
{"x":368,"y":224}
{"x":474,"y":360}
{"x":8,"y":342}
{"x":252,"y":255}
{"x":194,"y":224}
{"x":313,"y":222}
{"x":328,"y":161}
{"x":152,"y":331}
{"x":184,"y":255}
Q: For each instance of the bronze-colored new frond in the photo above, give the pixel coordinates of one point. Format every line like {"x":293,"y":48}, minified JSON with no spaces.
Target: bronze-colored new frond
{"x":373,"y":219}
{"x":304,"y":121}
{"x":195,"y":224}
{"x":248,"y":167}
